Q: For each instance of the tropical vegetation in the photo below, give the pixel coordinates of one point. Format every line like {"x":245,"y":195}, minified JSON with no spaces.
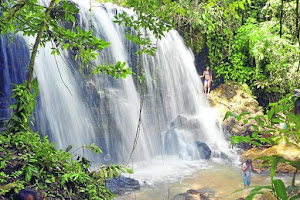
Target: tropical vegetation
{"x":254,"y":42}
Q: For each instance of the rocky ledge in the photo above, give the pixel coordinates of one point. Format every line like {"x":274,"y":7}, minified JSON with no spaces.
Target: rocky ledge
{"x":238,"y":98}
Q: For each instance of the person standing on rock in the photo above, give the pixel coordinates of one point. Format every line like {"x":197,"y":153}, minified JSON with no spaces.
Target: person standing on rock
{"x":247,"y":168}
{"x":207,"y":80}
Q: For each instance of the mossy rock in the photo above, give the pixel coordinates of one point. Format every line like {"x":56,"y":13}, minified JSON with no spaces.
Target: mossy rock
{"x":238,"y":98}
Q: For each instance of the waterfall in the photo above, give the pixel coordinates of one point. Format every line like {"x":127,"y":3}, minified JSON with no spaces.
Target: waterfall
{"x":76,"y":107}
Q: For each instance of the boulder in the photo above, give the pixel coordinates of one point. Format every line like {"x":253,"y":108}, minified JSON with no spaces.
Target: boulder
{"x":237,"y":98}
{"x":122,"y":185}
{"x":204,"y":150}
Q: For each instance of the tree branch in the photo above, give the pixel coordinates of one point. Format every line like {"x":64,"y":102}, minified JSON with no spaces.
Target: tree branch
{"x":281,"y":15}
{"x":15,"y":9}
{"x":37,"y":42}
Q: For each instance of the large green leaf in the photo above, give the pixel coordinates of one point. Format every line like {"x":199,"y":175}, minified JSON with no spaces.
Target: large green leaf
{"x":295,"y":164}
{"x":252,"y":194}
{"x":255,"y":188}
{"x":280,"y":189}
{"x":270,"y":114}
{"x":273,"y":167}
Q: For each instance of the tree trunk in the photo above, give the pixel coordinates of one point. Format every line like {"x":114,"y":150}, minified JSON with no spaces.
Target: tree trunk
{"x":294,"y":177}
{"x":297,"y":20}
{"x":298,"y":30}
{"x":299,"y":56}
{"x":37,"y":42}
{"x":281,"y":15}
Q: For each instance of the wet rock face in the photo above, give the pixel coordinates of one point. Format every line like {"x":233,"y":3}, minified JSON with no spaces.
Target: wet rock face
{"x":204,"y":150}
{"x":235,"y":97}
{"x":122,"y":185}
{"x":185,"y":123}
{"x":200,"y":194}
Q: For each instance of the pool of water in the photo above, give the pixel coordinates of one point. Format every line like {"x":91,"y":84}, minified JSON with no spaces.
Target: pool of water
{"x":165,"y":181}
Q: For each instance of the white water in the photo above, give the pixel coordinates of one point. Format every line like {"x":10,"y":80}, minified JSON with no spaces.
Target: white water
{"x":105,"y":111}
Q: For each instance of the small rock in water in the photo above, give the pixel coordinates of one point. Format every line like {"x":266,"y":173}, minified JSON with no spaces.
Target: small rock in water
{"x":217,"y":154}
{"x":201,"y":194}
{"x":122,"y":185}
{"x":207,"y":192}
{"x":204,"y":150}
{"x":224,"y":156}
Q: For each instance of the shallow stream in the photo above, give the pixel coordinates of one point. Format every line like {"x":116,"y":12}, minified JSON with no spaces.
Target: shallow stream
{"x":222,"y":178}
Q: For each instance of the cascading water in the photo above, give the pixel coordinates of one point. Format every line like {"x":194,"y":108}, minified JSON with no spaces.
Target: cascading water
{"x":78,"y":108}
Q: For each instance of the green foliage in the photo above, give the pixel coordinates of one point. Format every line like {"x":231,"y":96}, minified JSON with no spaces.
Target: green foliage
{"x":263,"y":60}
{"x":267,"y":128}
{"x":277,"y":187}
{"x":117,"y":71}
{"x":82,"y":43}
{"x":29,"y":161}
{"x":151,"y":16}
{"x":259,"y":56}
{"x":255,"y":190}
{"x":25,"y":104}
{"x":269,"y":125}
{"x":209,"y":23}
{"x":242,"y":38}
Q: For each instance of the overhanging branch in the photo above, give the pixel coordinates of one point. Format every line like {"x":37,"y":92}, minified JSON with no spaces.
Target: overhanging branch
{"x":38,"y":41}
{"x":15,"y":9}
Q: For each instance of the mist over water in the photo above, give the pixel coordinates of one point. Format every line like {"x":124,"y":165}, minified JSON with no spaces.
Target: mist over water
{"x":76,"y":107}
